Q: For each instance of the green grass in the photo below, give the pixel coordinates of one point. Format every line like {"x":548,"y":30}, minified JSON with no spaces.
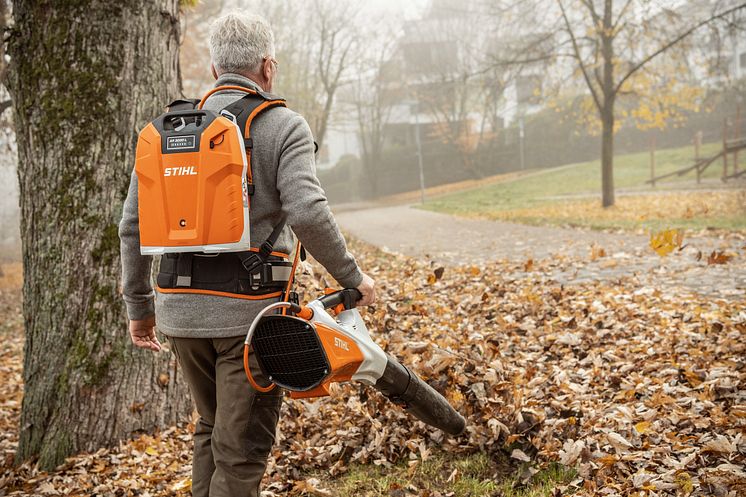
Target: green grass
{"x":630,"y":172}
{"x":476,"y":475}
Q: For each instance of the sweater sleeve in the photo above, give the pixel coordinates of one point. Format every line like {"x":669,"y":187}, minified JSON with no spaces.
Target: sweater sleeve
{"x":305,"y":204}
{"x":137,"y":289}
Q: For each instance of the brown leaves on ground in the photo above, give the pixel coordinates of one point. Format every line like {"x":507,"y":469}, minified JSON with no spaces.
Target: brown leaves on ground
{"x":635,"y":208}
{"x":11,"y":361}
{"x":643,"y":391}
{"x":719,"y":257}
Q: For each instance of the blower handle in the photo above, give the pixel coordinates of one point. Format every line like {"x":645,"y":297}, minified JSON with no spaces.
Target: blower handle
{"x":347,"y":298}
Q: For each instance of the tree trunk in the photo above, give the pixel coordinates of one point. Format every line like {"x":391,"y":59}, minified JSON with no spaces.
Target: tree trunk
{"x":320,"y":132}
{"x":85,"y":77}
{"x":607,"y":110}
{"x":607,"y":156}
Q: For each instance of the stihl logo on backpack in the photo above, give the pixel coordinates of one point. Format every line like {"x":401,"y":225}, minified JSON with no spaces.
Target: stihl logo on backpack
{"x":180,"y":171}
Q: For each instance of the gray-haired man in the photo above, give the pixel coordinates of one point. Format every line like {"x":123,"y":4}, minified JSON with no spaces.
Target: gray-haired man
{"x":237,"y":424}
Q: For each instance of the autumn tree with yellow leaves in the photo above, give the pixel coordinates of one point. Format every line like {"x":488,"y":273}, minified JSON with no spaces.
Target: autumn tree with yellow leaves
{"x":614,"y":45}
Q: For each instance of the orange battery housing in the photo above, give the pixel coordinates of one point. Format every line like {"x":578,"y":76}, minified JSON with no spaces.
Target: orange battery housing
{"x":192,"y":171}
{"x":344,"y":357}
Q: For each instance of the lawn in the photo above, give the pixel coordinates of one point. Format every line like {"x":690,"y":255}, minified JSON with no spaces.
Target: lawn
{"x":464,"y":476}
{"x":569,"y":195}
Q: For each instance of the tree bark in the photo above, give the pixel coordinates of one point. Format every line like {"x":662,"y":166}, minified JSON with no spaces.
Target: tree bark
{"x":607,"y":110}
{"x":607,"y":156}
{"x":3,"y":25}
{"x":85,"y":76}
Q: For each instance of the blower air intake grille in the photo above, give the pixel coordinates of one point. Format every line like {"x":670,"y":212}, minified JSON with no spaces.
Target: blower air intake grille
{"x":289,"y":351}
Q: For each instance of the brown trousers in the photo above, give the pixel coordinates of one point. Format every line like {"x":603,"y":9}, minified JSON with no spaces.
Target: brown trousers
{"x":236,"y":427}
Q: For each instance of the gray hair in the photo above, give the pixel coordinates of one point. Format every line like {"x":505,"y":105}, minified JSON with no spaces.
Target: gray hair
{"x":240,"y":42}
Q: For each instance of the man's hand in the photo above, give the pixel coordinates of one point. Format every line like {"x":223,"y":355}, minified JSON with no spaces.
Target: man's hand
{"x":142,"y":332}
{"x":368,"y":289}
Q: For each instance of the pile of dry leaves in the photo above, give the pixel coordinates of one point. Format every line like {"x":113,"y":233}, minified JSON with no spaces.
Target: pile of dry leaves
{"x":642,"y":389}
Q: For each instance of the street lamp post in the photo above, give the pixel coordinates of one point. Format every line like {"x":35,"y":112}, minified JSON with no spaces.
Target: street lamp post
{"x":521,"y":136}
{"x":419,"y":155}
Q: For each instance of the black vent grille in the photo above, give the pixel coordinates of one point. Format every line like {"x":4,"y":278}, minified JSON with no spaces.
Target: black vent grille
{"x":289,"y":351}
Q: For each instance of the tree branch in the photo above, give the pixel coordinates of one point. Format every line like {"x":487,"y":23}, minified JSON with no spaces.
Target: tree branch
{"x":673,"y":42}
{"x":578,"y":56}
{"x":4,"y":105}
{"x":592,"y":9}
{"x":597,"y":75}
{"x":621,"y":15}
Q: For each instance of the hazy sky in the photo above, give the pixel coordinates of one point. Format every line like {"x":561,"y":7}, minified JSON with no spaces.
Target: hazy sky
{"x":408,"y":8}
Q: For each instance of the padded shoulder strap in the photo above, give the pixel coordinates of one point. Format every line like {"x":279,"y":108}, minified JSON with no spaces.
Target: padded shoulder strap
{"x":249,"y":91}
{"x":269,"y":96}
{"x":248,"y":107}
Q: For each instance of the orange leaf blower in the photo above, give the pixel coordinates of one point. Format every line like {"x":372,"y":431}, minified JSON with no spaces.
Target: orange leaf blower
{"x":304,"y":349}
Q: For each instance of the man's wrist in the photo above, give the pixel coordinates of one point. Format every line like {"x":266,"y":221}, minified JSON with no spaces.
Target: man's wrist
{"x":148,"y":321}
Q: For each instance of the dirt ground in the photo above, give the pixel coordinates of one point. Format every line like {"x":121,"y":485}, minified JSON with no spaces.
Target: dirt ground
{"x":453,"y":241}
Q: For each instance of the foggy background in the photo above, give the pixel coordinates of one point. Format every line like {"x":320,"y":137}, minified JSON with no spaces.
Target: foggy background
{"x":473,"y":88}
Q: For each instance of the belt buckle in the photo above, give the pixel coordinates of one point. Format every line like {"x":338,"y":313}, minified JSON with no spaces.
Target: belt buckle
{"x":255,"y":280}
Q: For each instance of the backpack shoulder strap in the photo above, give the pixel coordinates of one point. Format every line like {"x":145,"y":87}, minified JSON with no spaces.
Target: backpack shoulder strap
{"x":223,"y":88}
{"x":247,"y":108}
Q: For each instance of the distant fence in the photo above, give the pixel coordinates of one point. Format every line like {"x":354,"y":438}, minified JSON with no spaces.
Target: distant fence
{"x":733,"y":139}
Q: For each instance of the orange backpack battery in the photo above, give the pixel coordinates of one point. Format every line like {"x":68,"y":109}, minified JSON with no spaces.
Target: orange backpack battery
{"x":194,"y":176}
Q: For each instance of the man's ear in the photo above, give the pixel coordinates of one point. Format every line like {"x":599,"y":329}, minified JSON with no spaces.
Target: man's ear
{"x":213,"y":71}
{"x":267,"y":69}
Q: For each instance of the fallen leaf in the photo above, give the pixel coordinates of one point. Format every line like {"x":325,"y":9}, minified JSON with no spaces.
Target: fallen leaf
{"x":618,"y":442}
{"x":664,"y":242}
{"x":642,"y":427}
{"x":520,"y":455}
{"x":718,"y":257}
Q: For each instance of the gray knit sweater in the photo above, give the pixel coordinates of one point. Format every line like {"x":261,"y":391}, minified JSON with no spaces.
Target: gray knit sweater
{"x":285,"y":178}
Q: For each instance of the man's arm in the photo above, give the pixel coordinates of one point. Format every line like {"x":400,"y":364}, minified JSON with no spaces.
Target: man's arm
{"x":136,"y":288}
{"x":304,"y":202}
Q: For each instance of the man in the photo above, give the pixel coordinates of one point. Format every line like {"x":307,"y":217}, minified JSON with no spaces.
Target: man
{"x":237,"y":424}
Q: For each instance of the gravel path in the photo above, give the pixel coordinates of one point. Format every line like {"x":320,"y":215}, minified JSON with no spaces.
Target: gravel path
{"x":453,"y":240}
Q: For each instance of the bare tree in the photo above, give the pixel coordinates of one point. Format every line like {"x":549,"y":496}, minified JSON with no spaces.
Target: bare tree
{"x":373,"y":109}
{"x":194,"y":54}
{"x":317,"y":44}
{"x":458,"y":70}
{"x":337,"y":37}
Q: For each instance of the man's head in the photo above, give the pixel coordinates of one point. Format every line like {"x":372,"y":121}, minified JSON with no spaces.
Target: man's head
{"x":244,"y":44}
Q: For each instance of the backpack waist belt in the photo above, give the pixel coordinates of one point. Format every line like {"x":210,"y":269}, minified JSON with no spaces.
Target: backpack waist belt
{"x":222,"y":273}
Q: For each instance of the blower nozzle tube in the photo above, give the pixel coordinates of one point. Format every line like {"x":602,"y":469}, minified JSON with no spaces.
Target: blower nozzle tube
{"x":419,"y":399}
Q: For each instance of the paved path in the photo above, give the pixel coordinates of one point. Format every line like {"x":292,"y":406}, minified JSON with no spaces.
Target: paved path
{"x":453,"y":240}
